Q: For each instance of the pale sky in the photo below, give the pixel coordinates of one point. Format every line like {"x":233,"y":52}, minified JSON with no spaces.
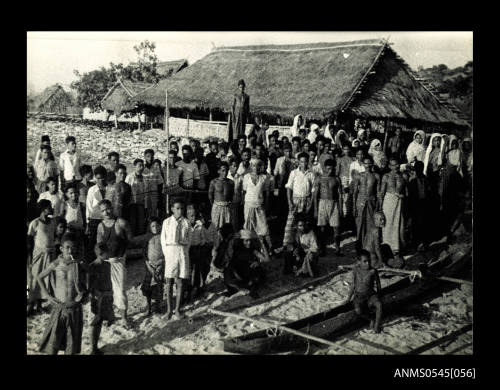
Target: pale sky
{"x":52,"y":56}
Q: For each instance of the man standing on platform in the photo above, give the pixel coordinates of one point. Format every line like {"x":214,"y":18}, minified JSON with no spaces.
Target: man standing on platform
{"x":239,"y":113}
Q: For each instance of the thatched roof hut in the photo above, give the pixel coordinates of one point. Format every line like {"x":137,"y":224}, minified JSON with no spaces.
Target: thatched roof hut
{"x":118,"y":98}
{"x":56,"y":100}
{"x":365,"y":79}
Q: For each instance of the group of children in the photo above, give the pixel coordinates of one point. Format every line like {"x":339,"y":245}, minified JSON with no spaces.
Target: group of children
{"x":218,"y":217}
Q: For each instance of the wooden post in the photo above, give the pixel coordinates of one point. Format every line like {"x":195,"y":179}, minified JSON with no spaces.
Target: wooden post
{"x":210,"y":116}
{"x":167,"y":130}
{"x":139,"y":120}
{"x":386,"y":131}
{"x":229,"y":138}
{"x":187,"y":125}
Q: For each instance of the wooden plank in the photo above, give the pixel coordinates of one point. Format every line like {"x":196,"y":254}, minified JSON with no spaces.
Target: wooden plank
{"x":441,"y":340}
{"x":287,"y":292}
{"x":276,"y":324}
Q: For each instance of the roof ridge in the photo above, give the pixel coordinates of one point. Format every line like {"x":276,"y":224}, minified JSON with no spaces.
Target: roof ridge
{"x":363,"y":79}
{"x":218,"y":50}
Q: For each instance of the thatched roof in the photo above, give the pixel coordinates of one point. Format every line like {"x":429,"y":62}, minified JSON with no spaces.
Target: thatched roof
{"x":118,"y":97}
{"x":169,"y":68}
{"x":362,"y":77}
{"x":55,"y":99}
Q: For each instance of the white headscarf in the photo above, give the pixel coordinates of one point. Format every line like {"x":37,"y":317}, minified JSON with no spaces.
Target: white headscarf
{"x":312,"y":133}
{"x":360,"y":132}
{"x":295,"y":127}
{"x":429,"y":149}
{"x":456,"y":156}
{"x":377,"y":155}
{"x":328,"y":133}
{"x":337,"y":138}
{"x":416,"y":150}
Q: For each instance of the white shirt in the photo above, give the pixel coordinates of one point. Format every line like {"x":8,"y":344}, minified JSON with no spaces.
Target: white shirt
{"x":57,"y":201}
{"x":242,"y":170}
{"x":70,"y":165}
{"x":93,"y":198}
{"x":254,"y":193}
{"x":175,"y":232}
{"x":355,"y":165}
{"x":301,"y":183}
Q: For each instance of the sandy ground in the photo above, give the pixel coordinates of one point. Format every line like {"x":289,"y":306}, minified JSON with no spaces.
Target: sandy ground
{"x":202,"y":333}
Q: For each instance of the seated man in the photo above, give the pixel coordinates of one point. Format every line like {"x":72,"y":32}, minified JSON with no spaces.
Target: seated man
{"x":301,"y":256}
{"x":244,"y":271}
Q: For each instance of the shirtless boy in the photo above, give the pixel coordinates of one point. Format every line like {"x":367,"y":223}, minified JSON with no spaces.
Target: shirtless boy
{"x":65,"y":325}
{"x":328,"y":209}
{"x":220,"y":195}
{"x":365,"y":288}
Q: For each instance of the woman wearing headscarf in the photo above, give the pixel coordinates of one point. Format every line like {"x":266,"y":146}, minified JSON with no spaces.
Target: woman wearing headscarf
{"x":313,"y":133}
{"x":432,"y":166}
{"x":329,"y":132}
{"x":298,"y":123}
{"x":341,"y":139}
{"x":455,"y":156}
{"x":416,"y":149}
{"x":376,"y":152}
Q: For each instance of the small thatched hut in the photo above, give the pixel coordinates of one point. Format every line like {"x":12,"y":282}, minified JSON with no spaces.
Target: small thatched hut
{"x":343,"y":80}
{"x":118,"y":98}
{"x":55,"y":100}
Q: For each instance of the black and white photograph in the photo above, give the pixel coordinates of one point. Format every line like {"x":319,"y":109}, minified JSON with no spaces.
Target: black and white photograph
{"x":249,"y":193}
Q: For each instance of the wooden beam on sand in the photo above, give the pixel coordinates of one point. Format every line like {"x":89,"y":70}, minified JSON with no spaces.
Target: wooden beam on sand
{"x":441,"y":340}
{"x":286,"y":292}
{"x":273,"y":323}
{"x":415,"y":273}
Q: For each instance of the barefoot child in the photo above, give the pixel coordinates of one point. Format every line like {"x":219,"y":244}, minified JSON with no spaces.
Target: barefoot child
{"x":328,"y":209}
{"x":41,"y":232}
{"x":175,"y":241}
{"x":65,"y":325}
{"x":101,"y":295}
{"x":365,"y":289}
{"x":220,"y":195}
{"x":154,"y":278}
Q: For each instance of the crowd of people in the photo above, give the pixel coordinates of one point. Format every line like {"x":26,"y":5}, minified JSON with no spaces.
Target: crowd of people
{"x":214,"y":212}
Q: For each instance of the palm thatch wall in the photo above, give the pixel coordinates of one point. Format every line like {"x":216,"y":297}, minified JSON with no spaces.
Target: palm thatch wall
{"x":316,"y":80}
{"x":55,"y":99}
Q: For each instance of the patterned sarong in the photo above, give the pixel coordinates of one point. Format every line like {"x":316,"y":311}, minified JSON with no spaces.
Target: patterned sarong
{"x":64,"y":330}
{"x":255,"y":219}
{"x":365,"y":218}
{"x":221,"y":213}
{"x":393,"y":231}
{"x":40,"y":260}
{"x":300,"y":206}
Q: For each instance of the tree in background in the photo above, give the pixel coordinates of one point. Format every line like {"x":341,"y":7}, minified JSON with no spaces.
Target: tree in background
{"x":91,"y":87}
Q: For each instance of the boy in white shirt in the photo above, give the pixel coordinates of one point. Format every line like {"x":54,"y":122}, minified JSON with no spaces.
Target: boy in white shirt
{"x":175,"y":241}
{"x":69,"y":163}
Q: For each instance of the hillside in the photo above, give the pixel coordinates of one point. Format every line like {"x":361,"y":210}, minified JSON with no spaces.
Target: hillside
{"x":454,"y":85}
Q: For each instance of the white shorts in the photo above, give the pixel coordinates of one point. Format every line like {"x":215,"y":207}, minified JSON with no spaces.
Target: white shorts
{"x":177,"y":264}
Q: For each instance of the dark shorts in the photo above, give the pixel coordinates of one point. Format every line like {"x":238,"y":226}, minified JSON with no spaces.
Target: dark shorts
{"x":101,"y":309}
